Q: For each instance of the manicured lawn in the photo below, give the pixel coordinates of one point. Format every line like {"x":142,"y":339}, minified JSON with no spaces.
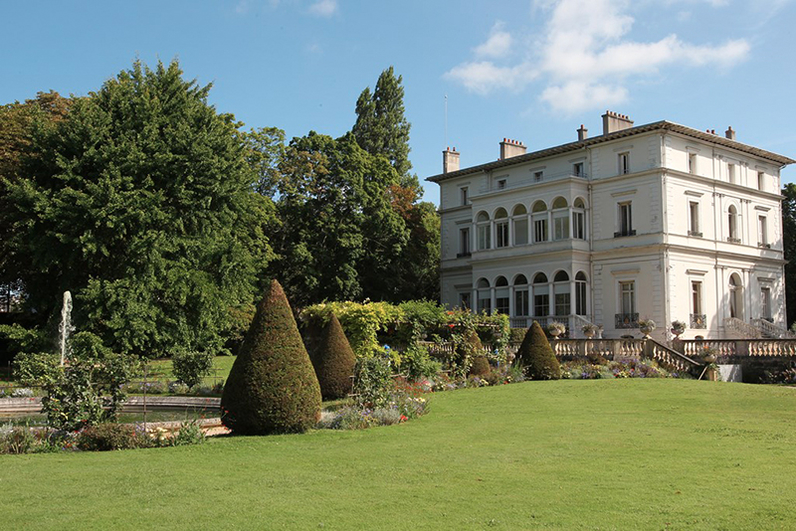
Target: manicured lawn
{"x":221,"y":367}
{"x":625,"y":454}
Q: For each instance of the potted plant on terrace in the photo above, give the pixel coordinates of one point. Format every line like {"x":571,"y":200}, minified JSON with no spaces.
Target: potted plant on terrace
{"x":589,"y":330}
{"x":678,"y":327}
{"x":646,"y":326}
{"x":555,"y":329}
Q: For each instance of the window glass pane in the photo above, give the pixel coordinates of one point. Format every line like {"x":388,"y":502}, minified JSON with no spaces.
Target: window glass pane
{"x":521,"y":231}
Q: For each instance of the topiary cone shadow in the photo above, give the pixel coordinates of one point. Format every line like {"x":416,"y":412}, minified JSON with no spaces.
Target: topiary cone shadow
{"x":272,"y":387}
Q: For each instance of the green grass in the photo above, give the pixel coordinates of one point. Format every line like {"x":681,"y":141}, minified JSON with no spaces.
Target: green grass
{"x":221,"y":366}
{"x":618,"y":454}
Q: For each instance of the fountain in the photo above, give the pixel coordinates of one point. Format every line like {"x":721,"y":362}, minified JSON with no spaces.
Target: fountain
{"x":65,"y":328}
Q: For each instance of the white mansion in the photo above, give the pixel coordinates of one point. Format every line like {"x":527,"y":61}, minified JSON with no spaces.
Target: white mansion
{"x":658,"y":221}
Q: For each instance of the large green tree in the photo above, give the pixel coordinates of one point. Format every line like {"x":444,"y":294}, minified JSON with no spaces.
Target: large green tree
{"x":140,"y":202}
{"x":789,"y":245}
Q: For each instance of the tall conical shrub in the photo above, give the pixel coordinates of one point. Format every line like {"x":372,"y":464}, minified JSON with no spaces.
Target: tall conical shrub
{"x":334,"y":361}
{"x":537,"y":357}
{"x":272,"y":386}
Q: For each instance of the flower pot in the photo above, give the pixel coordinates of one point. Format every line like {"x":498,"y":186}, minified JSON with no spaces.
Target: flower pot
{"x":588,"y":334}
{"x":646,"y":331}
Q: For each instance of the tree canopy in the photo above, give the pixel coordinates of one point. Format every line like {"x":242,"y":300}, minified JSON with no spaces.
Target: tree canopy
{"x":139,"y":201}
{"x":789,"y":246}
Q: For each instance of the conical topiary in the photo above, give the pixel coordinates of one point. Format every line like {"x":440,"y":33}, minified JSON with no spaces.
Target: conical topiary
{"x":537,"y":357}
{"x":467,"y":350}
{"x":334,"y":361}
{"x":272,"y":386}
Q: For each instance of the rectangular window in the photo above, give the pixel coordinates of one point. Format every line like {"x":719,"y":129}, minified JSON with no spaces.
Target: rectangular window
{"x":580,"y":298}
{"x":577,"y":169}
{"x":502,"y":301}
{"x":693,"y":219}
{"x":484,"y":239}
{"x":692,"y":163}
{"x":464,"y":300}
{"x":521,"y":230}
{"x":731,"y":173}
{"x":465,"y":196}
{"x":540,"y":229}
{"x":578,"y":226}
{"x":561,"y":226}
{"x":625,"y":220}
{"x":484,"y":302}
{"x":624,"y":163}
{"x":762,"y":232}
{"x":765,"y":303}
{"x":696,"y":297}
{"x":502,"y":234}
{"x":464,"y":242}
{"x":541,"y":304}
{"x":627,"y":298}
{"x":761,"y":181}
{"x":562,"y":303}
{"x":521,"y":303}
{"x":501,"y":184}
{"x":538,"y":176}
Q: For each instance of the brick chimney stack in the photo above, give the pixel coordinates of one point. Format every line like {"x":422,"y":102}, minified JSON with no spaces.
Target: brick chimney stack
{"x":613,"y":122}
{"x":450,"y":160}
{"x":511,"y":148}
{"x":730,"y":133}
{"x":583,"y":133}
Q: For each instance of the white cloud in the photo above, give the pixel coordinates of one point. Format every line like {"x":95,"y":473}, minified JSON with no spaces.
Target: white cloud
{"x":323,"y":8}
{"x":585,"y":58}
{"x":497,"y":45}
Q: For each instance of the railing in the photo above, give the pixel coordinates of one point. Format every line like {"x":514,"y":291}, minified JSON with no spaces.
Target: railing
{"x":732,"y":348}
{"x":519,"y":322}
{"x":769,"y":329}
{"x":745,"y":329}
{"x":669,"y":358}
{"x":626,"y":320}
{"x":607,"y":348}
{"x":699,"y":321}
{"x":577,"y":322}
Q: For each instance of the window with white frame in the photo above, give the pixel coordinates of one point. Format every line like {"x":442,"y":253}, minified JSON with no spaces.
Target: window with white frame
{"x":520,"y":219}
{"x":560,"y":219}
{"x":464,"y":193}
{"x":624,"y":163}
{"x":521,"y":305}
{"x":562,"y":292}
{"x":732,"y":173}
{"x":484,"y":296}
{"x":732,"y":225}
{"x":577,"y":169}
{"x":538,"y":176}
{"x":539,"y":218}
{"x":464,"y":241}
{"x":761,"y":181}
{"x":627,"y":299}
{"x":578,"y":220}
{"x":693,"y":219}
{"x":762,"y":232}
{"x":625,"y":219}
{"x":502,"y":295}
{"x":484,"y":232}
{"x":692,"y":163}
{"x":465,"y":300}
{"x":501,"y":184}
{"x":697,"y":317}
{"x":541,"y":295}
{"x":501,"y":228}
{"x":580,"y":293}
{"x":765,"y":303}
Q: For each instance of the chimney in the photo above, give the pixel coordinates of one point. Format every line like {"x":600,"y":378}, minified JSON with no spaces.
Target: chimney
{"x":450,"y":160}
{"x":583,"y":133}
{"x":613,"y":122}
{"x":730,"y":133}
{"x":511,"y":148}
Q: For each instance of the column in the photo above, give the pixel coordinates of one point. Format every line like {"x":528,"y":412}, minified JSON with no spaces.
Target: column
{"x":512,"y":310}
{"x":552,"y":300}
{"x":572,"y":296}
{"x":492,"y":300}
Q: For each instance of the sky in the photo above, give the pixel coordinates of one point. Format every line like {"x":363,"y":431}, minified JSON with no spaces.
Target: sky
{"x":473,"y":72}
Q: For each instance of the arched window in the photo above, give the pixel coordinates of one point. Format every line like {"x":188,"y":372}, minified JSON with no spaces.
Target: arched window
{"x":736,"y":296}
{"x":484,"y":231}
{"x":580,"y":293}
{"x":560,"y":219}
{"x":541,"y":295}
{"x":501,"y":228}
{"x":539,"y":222}
{"x":484,"y":296}
{"x":520,"y":218}
{"x":562,"y":293}
{"x":502,"y":295}
{"x":732,"y":225}
{"x":579,"y":219}
{"x":521,"y":296}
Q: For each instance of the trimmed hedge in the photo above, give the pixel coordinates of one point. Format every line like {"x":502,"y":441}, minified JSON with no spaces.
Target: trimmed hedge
{"x":536,"y":355}
{"x":480,"y":366}
{"x":334,"y":361}
{"x":272,"y":387}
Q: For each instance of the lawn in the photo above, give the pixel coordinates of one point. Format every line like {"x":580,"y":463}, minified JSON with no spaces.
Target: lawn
{"x":600,"y":454}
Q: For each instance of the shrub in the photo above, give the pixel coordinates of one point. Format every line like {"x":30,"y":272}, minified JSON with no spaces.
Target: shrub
{"x":188,"y":433}
{"x":16,"y":439}
{"x":373,"y":382}
{"x":334,"y":361}
{"x":468,"y":347}
{"x":272,"y":387}
{"x":516,"y":335}
{"x":178,"y":388}
{"x":418,"y":365}
{"x":537,"y":357}
{"x":190,"y":366}
{"x":480,"y":366}
{"x":110,"y":436}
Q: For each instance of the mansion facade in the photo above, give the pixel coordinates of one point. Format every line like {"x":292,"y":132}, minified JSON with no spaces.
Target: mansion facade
{"x":658,"y":221}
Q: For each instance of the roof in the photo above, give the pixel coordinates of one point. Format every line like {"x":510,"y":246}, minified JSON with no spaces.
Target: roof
{"x":662,"y":125}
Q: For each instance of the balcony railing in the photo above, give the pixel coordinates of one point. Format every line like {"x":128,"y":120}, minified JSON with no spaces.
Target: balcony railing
{"x":734,"y":240}
{"x":626,"y":320}
{"x":699,"y":321}
{"x":621,"y":233}
{"x":764,"y":245}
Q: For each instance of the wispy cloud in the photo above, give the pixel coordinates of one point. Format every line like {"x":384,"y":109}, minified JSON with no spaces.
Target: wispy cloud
{"x":324,"y":8}
{"x":584,"y":58}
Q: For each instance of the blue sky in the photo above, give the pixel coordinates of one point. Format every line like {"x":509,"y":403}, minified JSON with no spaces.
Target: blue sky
{"x":527,"y":70}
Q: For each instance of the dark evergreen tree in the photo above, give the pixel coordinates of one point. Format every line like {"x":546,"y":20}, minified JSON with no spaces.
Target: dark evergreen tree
{"x":789,"y":245}
{"x":272,"y":387}
{"x":140,"y":202}
{"x":537,"y":356}
{"x":334,"y":361}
